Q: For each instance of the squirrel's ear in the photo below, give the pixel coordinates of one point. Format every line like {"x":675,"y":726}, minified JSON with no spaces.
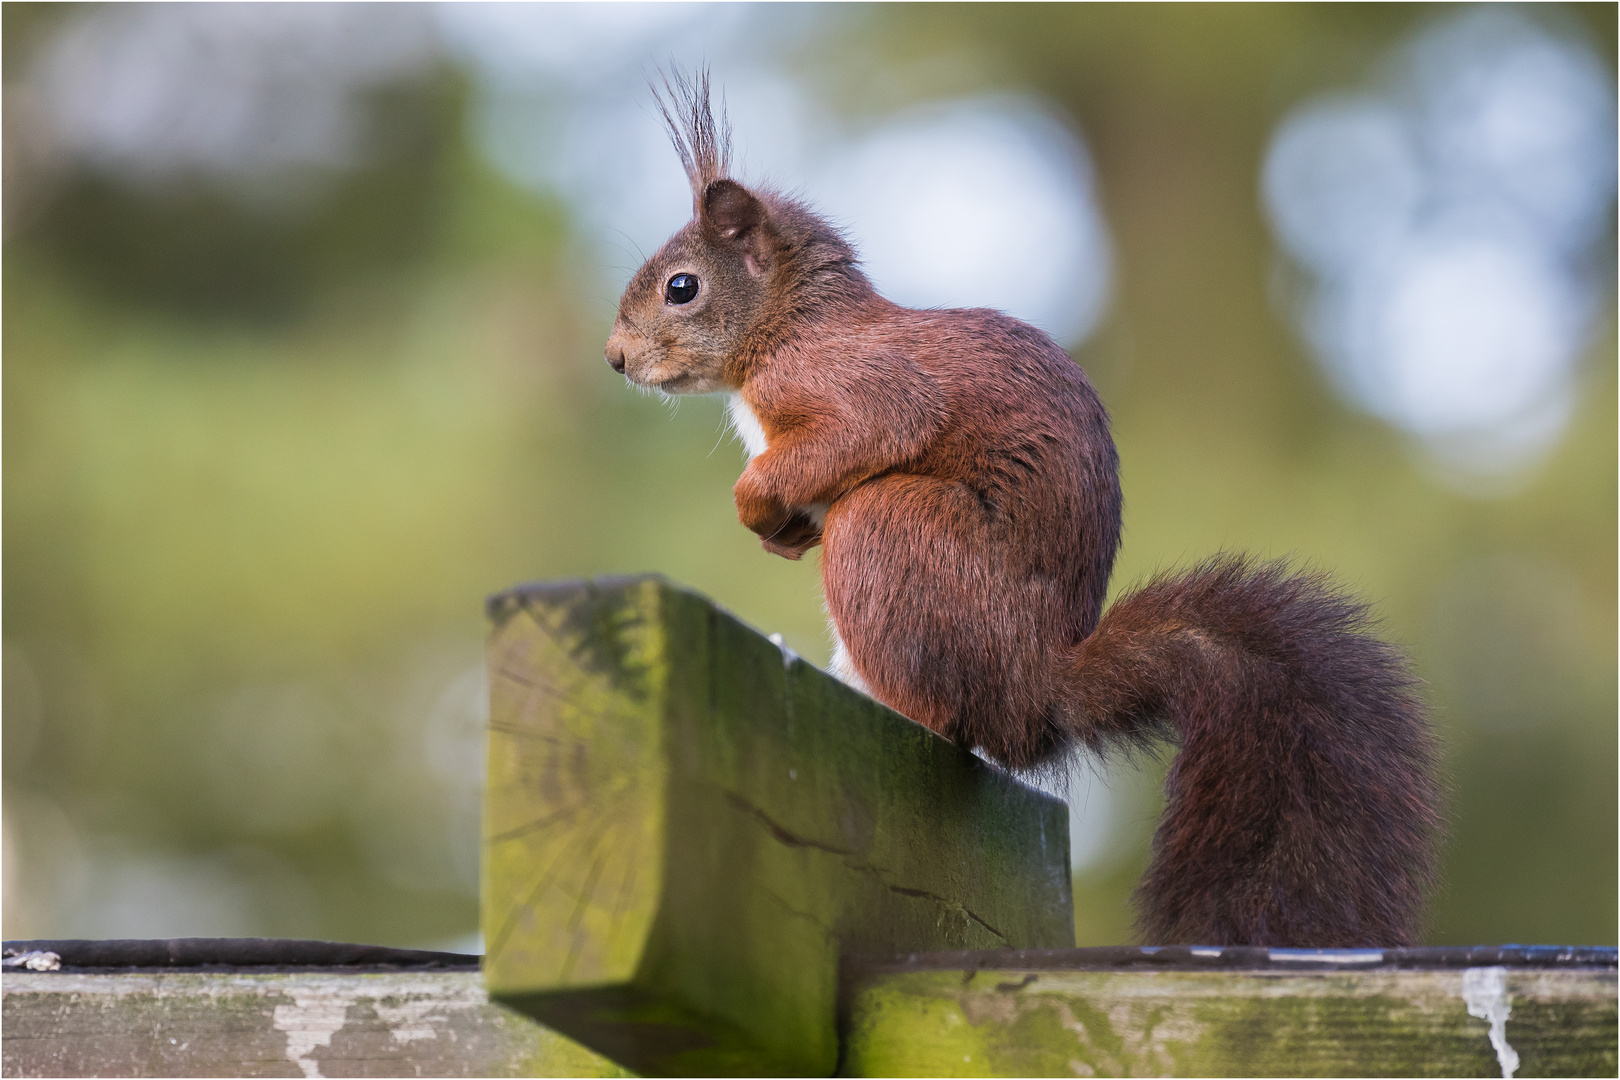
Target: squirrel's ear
{"x":730,"y":212}
{"x":729,"y":209}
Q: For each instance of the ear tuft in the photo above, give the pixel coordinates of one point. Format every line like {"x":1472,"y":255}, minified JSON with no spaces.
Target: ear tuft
{"x":703,"y":143}
{"x":729,"y":210}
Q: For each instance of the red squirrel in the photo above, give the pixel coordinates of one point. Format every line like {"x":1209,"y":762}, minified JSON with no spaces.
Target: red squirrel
{"x":957,"y":469}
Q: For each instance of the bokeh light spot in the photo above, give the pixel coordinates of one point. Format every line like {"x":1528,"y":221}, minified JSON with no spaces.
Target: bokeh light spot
{"x":979,"y":203}
{"x":1445,"y":221}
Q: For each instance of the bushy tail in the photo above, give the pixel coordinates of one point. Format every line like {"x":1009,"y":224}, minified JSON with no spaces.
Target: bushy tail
{"x":1303,"y":808}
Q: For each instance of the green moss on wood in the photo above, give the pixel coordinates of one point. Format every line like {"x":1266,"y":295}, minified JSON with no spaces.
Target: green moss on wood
{"x":1365,"y":1023}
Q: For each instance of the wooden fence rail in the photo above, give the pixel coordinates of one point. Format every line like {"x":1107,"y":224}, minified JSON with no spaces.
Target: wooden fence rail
{"x":210,"y":1008}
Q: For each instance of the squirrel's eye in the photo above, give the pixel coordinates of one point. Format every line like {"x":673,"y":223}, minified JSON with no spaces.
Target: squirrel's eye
{"x":681,"y":289}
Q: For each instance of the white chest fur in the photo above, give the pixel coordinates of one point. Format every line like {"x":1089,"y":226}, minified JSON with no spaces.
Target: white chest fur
{"x":747,"y":426}
{"x":752,"y":434}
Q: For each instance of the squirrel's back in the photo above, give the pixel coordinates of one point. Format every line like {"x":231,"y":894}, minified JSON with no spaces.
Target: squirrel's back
{"x":1019,"y":427}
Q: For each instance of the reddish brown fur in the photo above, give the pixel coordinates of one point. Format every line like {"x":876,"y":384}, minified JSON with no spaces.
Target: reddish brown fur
{"x":974,"y":515}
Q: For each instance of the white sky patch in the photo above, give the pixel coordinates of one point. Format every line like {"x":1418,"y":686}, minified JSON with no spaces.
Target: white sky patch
{"x":985,"y":202}
{"x":1094,"y":808}
{"x":563,"y":106}
{"x":609,"y":157}
{"x":579,"y":45}
{"x":160,"y":90}
{"x":1445,"y":221}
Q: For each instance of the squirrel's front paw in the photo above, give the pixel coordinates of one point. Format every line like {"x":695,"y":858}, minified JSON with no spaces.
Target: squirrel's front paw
{"x":757,"y":510}
{"x":796,"y":536}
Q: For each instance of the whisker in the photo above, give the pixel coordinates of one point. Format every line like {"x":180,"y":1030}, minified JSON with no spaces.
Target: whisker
{"x":717,"y":441}
{"x":632,"y":242}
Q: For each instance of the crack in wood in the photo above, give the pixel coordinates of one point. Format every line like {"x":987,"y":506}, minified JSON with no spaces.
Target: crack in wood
{"x":796,"y":913}
{"x":792,"y":839}
{"x":925,"y":894}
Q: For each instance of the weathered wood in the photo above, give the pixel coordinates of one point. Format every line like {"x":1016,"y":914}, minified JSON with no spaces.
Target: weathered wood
{"x":1233,"y":1012}
{"x":1121,"y":1011}
{"x":687,"y":828}
{"x":323,"y":1023}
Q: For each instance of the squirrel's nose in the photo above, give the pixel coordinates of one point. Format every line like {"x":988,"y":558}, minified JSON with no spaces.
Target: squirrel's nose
{"x":615,"y":359}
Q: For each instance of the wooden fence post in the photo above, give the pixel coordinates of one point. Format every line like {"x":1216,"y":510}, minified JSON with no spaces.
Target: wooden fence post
{"x":687,"y":828}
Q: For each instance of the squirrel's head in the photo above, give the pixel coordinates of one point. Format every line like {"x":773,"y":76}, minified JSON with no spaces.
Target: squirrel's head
{"x":747,"y":259}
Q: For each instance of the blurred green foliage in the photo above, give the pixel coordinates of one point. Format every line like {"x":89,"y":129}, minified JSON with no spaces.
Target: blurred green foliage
{"x":261,"y":467}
